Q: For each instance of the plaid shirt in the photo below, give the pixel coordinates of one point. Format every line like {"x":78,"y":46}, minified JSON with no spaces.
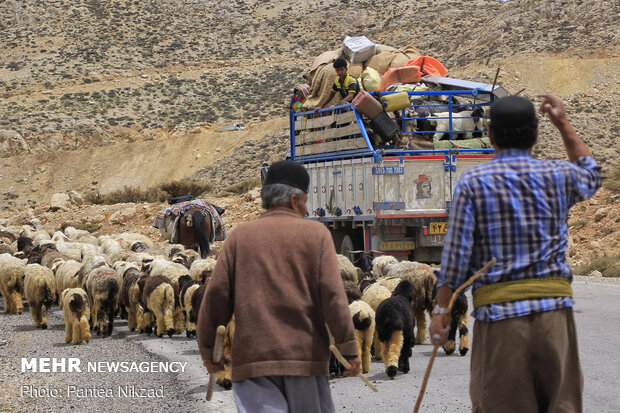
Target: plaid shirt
{"x":515,"y":208}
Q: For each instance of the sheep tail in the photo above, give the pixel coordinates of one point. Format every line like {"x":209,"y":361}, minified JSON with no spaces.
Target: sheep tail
{"x":168,"y":306}
{"x":48,"y":297}
{"x":112,"y":294}
{"x":200,"y":233}
{"x":77,"y":305}
{"x":359,"y":323}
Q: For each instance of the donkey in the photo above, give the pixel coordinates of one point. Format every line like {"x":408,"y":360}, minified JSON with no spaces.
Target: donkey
{"x":195,"y":230}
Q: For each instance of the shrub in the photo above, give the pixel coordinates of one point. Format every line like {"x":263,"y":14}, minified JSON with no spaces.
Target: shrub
{"x":157,"y":193}
{"x":88,"y":227}
{"x":608,"y":266}
{"x":611,"y":179}
{"x":179,"y":188}
{"x":241,"y":187}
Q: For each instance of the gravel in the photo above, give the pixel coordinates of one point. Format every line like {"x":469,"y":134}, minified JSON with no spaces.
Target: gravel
{"x":20,"y":339}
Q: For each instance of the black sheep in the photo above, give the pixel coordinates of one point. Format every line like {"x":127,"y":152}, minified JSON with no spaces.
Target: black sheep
{"x":394,"y":323}
{"x":458,"y":321}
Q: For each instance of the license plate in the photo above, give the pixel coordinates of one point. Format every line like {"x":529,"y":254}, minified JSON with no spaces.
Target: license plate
{"x":438,"y":228}
{"x":396,"y":245}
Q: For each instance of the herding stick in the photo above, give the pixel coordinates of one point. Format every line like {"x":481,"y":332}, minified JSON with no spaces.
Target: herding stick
{"x":435,"y":348}
{"x":218,"y":349}
{"x":347,"y":366}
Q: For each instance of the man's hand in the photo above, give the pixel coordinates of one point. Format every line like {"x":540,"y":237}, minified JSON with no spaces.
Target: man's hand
{"x":554,"y":108}
{"x":356,"y":364}
{"x":438,"y":327}
{"x":213,"y":368}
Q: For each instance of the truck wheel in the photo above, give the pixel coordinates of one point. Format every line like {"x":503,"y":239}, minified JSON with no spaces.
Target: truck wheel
{"x":346,"y":246}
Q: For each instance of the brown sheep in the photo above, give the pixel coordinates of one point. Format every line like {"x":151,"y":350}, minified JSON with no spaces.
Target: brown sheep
{"x":74,"y":303}
{"x":158,"y":299}
{"x":51,"y":257}
{"x":364,"y":323}
{"x":6,"y":249}
{"x":12,"y":283}
{"x":7,"y":237}
{"x":40,"y":292}
{"x":374,"y":294}
{"x":224,"y":377}
{"x":103,"y":291}
{"x":130,"y":298}
{"x":188,"y":286}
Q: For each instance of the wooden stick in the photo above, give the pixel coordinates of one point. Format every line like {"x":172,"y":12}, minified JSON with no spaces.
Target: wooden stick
{"x":347,"y":366}
{"x":495,"y":81}
{"x":218,"y":349}
{"x":435,"y":348}
{"x":519,"y":92}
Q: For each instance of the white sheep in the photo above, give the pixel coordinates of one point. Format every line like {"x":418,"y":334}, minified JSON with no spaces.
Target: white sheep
{"x":66,"y":275}
{"x":348,"y":271}
{"x":202,"y":269}
{"x":461,"y":122}
{"x":12,"y":283}
{"x":40,"y":292}
{"x":379,"y":263}
{"x":126,"y":239}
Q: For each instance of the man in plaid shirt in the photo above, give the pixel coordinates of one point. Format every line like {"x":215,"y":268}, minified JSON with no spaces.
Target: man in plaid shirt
{"x":515,"y":208}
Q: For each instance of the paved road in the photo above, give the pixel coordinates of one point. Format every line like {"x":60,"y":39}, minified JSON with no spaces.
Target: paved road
{"x":597,"y":314}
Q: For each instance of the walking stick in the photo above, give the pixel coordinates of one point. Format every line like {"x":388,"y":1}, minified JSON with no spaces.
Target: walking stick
{"x":347,"y":366}
{"x":436,"y":347}
{"x":218,"y":349}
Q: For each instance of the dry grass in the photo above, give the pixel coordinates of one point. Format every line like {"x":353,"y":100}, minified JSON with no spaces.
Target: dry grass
{"x":88,"y":227}
{"x":611,"y":178}
{"x":154,"y":194}
{"x":179,"y":188}
{"x":125,"y":195}
{"x":241,"y":187}
{"x":608,"y":266}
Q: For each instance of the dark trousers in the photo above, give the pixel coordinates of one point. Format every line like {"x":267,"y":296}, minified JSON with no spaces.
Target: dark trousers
{"x":526,"y":364}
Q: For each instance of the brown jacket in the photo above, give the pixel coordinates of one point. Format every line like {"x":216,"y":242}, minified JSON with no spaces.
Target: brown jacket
{"x":279,"y":275}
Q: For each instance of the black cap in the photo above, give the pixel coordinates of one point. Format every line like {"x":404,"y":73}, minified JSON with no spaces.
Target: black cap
{"x":513,"y":112}
{"x":288,"y":173}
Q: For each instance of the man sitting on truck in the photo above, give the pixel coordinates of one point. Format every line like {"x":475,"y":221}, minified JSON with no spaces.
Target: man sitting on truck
{"x":345,"y":84}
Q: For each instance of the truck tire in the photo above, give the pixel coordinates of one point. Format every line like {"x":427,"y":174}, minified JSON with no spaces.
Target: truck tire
{"x":347,"y":245}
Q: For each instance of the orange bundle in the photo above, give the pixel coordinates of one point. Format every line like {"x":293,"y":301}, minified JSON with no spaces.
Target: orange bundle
{"x":428,"y":65}
{"x":405,"y":74}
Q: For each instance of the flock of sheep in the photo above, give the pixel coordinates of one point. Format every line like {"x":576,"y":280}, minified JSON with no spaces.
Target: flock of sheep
{"x":386,"y":302}
{"x":95,"y":279}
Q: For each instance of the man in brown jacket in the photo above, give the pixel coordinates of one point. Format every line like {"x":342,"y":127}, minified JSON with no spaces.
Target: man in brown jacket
{"x":279,"y":276}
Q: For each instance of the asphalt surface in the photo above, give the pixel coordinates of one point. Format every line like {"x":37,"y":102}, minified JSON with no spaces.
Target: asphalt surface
{"x":596,"y":313}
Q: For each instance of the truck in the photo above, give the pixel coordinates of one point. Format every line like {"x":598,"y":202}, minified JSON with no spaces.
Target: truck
{"x":379,"y":199}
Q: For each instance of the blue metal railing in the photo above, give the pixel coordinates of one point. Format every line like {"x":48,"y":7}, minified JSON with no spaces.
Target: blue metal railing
{"x":404,"y":122}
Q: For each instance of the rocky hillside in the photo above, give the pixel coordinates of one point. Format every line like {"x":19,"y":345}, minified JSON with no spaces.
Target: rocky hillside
{"x":97,"y":95}
{"x":92,"y":72}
